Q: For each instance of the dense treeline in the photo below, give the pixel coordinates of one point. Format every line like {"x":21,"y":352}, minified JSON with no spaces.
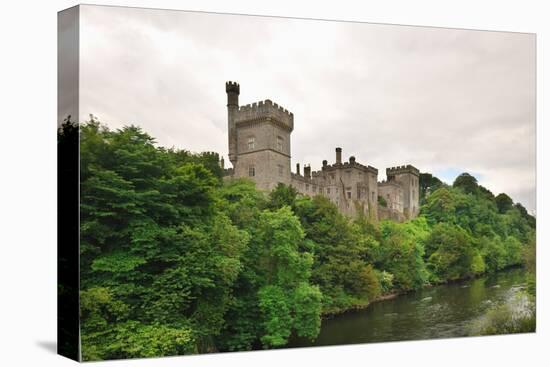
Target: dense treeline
{"x":174,"y":260}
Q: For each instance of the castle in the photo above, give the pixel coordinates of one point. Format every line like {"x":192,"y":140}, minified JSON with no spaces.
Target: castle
{"x":259,"y":149}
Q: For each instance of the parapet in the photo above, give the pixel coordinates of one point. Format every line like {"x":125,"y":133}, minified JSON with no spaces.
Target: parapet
{"x":399,"y":170}
{"x":388,"y":183}
{"x":265,"y":110}
{"x":351,"y":164}
{"x":232,"y":87}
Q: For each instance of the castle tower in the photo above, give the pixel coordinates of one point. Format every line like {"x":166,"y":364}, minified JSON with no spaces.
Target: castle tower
{"x":232,"y":89}
{"x":259,"y":140}
{"x":407,"y":177}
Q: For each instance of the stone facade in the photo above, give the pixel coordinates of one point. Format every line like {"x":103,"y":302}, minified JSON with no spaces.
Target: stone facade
{"x":259,"y":149}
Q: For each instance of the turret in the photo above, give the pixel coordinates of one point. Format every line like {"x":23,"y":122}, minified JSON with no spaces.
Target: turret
{"x":232,"y":89}
{"x":407,"y":176}
{"x":307,"y":171}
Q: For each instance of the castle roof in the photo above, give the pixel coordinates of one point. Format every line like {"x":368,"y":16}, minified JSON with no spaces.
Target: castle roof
{"x":265,"y":110}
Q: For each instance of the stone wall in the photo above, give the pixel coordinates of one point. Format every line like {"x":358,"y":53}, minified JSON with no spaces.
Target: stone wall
{"x":392,"y":193}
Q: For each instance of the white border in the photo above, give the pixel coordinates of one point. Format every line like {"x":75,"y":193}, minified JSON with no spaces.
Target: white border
{"x":28,"y":184}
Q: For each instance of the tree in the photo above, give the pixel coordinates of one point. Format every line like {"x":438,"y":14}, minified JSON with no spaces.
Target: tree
{"x":467,"y":183}
{"x":157,"y":261}
{"x":276,"y":283}
{"x":282,"y":195}
{"x":428,"y":184}
{"x":504,"y":203}
{"x":341,"y":253}
{"x":450,"y":253}
{"x":401,"y":253}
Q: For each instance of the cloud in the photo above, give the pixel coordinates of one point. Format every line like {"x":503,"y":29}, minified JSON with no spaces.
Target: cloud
{"x":440,"y":99}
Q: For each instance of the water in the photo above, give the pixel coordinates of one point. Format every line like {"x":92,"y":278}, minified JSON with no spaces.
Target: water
{"x":444,"y":311}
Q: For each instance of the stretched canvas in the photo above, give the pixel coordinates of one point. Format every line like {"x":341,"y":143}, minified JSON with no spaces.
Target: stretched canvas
{"x":236,"y":182}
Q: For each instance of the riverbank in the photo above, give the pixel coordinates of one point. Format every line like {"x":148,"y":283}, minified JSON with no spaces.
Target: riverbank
{"x":388,"y":296}
{"x":443,"y":311}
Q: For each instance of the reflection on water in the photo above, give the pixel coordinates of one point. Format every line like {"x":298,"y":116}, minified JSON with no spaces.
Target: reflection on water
{"x":439,"y":312}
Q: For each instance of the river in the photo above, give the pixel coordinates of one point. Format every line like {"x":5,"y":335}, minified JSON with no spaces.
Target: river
{"x":443,"y":311}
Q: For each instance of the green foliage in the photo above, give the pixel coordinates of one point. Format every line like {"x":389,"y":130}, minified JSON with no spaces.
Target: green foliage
{"x":494,"y":253}
{"x":516,"y":316}
{"x":386,"y":281}
{"x":341,"y":251}
{"x":175,"y":261}
{"x":307,"y":310}
{"x":153,"y":245}
{"x":504,"y":203}
{"x":467,"y":183}
{"x":281,"y":196}
{"x":275,"y":281}
{"x":428,"y":184}
{"x":276,"y":318}
{"x":450,"y":252}
{"x":402,"y":253}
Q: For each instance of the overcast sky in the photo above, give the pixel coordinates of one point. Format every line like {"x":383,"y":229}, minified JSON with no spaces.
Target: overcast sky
{"x":445,"y":100}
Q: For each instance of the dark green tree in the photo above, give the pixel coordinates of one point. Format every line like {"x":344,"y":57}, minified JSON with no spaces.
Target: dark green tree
{"x":467,"y":183}
{"x":504,"y":203}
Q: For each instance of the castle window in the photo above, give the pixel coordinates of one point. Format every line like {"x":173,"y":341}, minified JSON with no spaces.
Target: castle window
{"x":251,"y":142}
{"x":307,"y":187}
{"x":280,"y":167}
{"x":328,"y":190}
{"x":251,"y":171}
{"x":349,"y":194}
{"x":279,"y":144}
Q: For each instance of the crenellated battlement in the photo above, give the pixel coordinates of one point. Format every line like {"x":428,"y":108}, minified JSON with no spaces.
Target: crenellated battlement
{"x":232,"y":87}
{"x":265,"y":109}
{"x":352,"y":164}
{"x":398,"y":170}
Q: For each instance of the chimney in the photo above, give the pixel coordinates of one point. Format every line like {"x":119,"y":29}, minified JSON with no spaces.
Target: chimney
{"x":222,"y":163}
{"x":298,"y":168}
{"x":338,"y":155}
{"x":352,"y":159}
{"x":307,"y":171}
{"x":232,"y":89}
{"x":325,"y":163}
